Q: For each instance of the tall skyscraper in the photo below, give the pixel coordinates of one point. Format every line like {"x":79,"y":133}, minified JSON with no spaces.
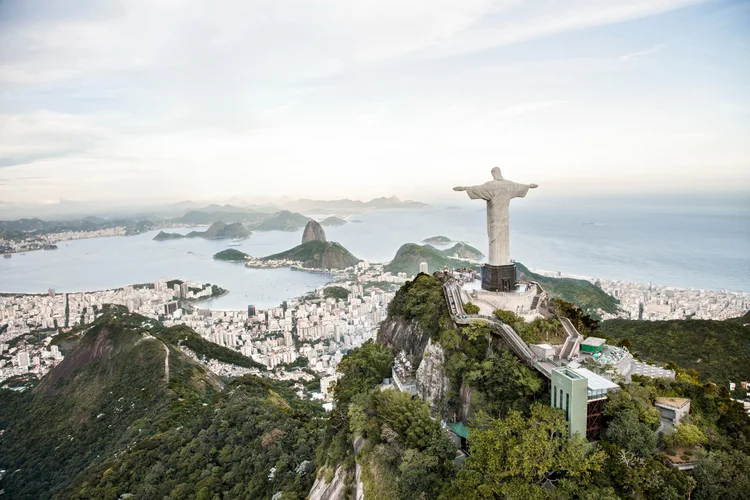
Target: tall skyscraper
{"x":250,"y":311}
{"x":423,"y":268}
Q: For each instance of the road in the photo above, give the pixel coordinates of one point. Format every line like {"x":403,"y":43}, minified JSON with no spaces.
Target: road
{"x":166,"y":362}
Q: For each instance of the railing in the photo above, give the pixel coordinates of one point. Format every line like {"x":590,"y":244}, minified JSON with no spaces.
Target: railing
{"x":517,"y":344}
{"x":573,"y":339}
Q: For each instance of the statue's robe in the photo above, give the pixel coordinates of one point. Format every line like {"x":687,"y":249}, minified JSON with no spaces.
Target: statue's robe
{"x":498,"y":194}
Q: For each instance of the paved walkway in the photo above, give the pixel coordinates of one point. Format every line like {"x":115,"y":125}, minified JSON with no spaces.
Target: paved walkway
{"x":516,"y":343}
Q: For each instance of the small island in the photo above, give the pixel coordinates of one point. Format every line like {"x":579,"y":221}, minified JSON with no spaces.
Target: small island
{"x":162,"y":236}
{"x":437,"y":240}
{"x":231,"y":255}
{"x":333,"y":221}
{"x":217,"y":231}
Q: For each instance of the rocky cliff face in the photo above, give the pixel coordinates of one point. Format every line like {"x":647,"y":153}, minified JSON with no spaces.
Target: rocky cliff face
{"x":313,"y":232}
{"x":432,"y":383}
{"x":465,"y":395}
{"x":406,"y":336}
{"x":329,"y":491}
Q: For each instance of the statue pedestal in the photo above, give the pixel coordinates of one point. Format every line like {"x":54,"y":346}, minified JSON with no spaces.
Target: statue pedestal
{"x":499,"y":278}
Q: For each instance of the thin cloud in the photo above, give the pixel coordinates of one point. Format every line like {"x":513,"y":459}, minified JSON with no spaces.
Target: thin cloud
{"x":633,"y":56}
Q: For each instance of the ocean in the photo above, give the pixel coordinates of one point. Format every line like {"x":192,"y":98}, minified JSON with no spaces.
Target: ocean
{"x":689,"y":248}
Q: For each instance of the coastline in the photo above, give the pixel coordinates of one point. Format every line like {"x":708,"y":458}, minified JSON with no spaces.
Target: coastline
{"x":594,"y":279}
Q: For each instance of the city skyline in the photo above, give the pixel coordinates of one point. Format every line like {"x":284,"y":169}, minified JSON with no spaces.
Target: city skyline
{"x":152,"y":101}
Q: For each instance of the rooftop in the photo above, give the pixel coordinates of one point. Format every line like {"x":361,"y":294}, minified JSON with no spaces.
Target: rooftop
{"x":545,"y":346}
{"x":595,"y":382}
{"x":672,"y":402}
{"x":567,"y":372}
{"x":459,"y":429}
{"x":594,"y":341}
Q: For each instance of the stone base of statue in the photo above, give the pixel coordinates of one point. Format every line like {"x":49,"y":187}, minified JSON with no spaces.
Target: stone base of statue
{"x":499,"y":278}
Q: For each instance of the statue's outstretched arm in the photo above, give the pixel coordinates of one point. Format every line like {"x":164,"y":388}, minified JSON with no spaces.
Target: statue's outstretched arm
{"x":533,"y":186}
{"x":459,"y":188}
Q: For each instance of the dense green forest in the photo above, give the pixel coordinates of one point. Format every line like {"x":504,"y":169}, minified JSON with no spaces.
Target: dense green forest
{"x":517,"y":443}
{"x":717,"y":350}
{"x":336,"y":292}
{"x":106,"y":422}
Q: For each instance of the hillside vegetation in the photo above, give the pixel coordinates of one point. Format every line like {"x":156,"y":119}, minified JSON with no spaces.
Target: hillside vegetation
{"x":584,"y":294}
{"x":409,"y":256}
{"x":318,"y":255}
{"x":717,"y":350}
{"x":109,"y":422}
{"x":519,"y":446}
{"x":181,"y":335}
{"x":437,"y":240}
{"x":107,"y":392}
{"x":463,"y":251}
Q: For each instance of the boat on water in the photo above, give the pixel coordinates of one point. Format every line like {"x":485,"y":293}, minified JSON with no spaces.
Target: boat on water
{"x":8,"y":256}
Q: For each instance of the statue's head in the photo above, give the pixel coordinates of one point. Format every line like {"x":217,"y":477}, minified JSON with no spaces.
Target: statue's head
{"x":497,"y":174}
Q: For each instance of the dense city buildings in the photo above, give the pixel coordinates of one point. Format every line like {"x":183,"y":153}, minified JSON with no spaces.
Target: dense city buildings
{"x":651,"y":302}
{"x":311,"y":333}
{"x":48,"y":240}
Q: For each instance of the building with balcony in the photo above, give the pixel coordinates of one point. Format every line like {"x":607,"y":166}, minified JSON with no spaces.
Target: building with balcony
{"x":580,"y":394}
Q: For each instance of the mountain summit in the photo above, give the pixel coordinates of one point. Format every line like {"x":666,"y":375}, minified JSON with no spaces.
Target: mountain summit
{"x":313,"y":232}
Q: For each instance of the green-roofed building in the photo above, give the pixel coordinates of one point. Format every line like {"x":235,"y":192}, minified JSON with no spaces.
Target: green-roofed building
{"x":462,"y":432}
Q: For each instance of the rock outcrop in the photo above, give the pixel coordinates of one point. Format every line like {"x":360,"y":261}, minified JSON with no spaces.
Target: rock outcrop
{"x":313,"y":232}
{"x":465,"y":395}
{"x":335,"y":490}
{"x":406,"y":336}
{"x":432,"y":382}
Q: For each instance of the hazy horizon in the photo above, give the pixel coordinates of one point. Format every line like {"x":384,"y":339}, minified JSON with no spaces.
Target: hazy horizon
{"x":737,"y":203}
{"x":150,"y":102}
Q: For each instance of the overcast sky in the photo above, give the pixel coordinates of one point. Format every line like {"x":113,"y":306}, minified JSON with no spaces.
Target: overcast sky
{"x":163,"y":99}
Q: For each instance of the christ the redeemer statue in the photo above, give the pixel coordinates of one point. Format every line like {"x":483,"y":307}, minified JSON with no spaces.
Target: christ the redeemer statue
{"x":497,"y":193}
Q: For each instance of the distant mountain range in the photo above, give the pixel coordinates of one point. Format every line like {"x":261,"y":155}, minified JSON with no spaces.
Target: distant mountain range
{"x":333,"y":206}
{"x":70,"y":209}
{"x":283,"y":221}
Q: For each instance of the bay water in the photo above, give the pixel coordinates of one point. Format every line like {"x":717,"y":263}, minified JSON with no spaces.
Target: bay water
{"x":689,"y":248}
